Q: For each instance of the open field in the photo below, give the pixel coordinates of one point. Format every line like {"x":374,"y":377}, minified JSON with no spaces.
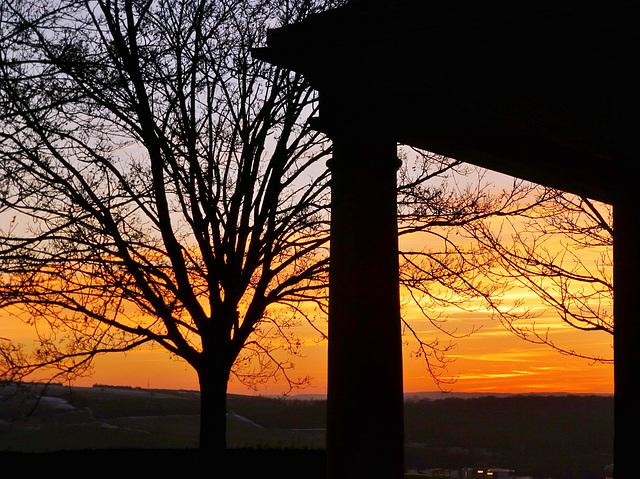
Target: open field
{"x":107,"y":418}
{"x":565,"y":437}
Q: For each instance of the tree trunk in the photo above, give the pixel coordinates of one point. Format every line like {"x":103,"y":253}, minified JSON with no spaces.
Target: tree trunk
{"x":213,"y":417}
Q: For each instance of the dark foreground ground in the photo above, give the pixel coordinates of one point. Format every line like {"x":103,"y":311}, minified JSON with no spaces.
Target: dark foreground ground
{"x":125,"y":432}
{"x":170,"y":463}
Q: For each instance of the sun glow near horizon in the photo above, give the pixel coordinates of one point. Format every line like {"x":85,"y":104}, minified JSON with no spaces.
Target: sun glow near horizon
{"x":484,"y":356}
{"x":488,"y":360}
{"x":506,"y":364}
{"x":492,"y":359}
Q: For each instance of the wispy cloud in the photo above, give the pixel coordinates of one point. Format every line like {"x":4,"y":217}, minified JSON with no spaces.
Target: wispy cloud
{"x":504,"y":356}
{"x":489,"y":376}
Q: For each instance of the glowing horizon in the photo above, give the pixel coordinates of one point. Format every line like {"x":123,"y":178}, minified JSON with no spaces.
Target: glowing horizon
{"x":491,"y":360}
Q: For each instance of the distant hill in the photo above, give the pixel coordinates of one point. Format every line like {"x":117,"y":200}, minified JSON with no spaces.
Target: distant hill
{"x":567,"y":436}
{"x":434,"y":395}
{"x":560,"y":436}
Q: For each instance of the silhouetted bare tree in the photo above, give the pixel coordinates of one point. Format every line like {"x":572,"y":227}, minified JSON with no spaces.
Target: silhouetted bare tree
{"x":561,"y":250}
{"x":455,"y":271}
{"x":160,"y":186}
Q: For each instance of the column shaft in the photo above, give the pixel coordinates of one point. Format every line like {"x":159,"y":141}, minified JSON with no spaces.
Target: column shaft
{"x":626,"y":267}
{"x":365,"y":390}
{"x":626,"y":250}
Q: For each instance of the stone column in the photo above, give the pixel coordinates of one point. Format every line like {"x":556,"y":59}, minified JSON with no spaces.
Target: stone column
{"x":626,"y":268}
{"x":626,"y":253}
{"x":365,"y":389}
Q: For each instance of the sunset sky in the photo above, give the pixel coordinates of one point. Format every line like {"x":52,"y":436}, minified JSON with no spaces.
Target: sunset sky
{"x":491,"y":359}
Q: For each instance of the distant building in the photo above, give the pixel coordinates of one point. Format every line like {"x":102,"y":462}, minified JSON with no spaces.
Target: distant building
{"x":487,"y":473}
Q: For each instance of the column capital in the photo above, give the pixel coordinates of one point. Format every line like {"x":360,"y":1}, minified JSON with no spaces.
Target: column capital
{"x":366,"y":139}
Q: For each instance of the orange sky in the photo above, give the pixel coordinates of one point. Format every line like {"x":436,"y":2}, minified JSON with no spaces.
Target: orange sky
{"x":489,"y":360}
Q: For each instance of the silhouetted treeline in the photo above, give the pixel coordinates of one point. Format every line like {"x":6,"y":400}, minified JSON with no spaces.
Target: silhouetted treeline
{"x":562,"y":423}
{"x":566,"y":436}
{"x":554,"y":423}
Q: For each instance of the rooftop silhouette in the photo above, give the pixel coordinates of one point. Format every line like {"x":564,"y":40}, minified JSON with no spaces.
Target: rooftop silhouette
{"x":538,"y":90}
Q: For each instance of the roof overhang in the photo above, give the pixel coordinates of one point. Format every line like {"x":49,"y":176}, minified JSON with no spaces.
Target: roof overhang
{"x":537,"y":90}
